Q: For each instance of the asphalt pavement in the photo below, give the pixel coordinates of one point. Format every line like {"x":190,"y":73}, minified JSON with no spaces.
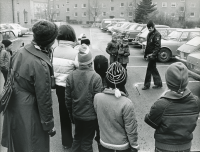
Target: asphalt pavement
{"x":142,"y":100}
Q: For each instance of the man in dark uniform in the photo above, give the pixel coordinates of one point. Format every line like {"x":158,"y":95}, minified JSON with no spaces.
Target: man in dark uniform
{"x":151,"y":52}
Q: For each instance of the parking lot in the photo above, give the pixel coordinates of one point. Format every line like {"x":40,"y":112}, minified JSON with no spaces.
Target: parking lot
{"x":142,"y":100}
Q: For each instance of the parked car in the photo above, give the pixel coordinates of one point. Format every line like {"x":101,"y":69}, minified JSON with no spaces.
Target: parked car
{"x":9,"y":35}
{"x":142,"y":36}
{"x":184,"y":50}
{"x":105,"y":22}
{"x":124,"y":27}
{"x":119,"y":25}
{"x":133,"y":31}
{"x":110,"y":24}
{"x":16,"y":31}
{"x":174,"y":40}
{"x":24,"y":30}
{"x":193,"y":65}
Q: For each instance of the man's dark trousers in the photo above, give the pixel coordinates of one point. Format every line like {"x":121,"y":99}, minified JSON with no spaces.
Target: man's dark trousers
{"x":152,"y":70}
{"x":84,"y":134}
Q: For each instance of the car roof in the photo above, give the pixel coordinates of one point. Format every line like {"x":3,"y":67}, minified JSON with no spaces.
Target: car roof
{"x":161,"y":26}
{"x":5,"y":30}
{"x":189,"y":30}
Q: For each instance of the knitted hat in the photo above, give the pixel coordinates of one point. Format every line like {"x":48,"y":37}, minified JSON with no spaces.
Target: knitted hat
{"x":101,"y":65}
{"x":44,"y":32}
{"x":6,"y":42}
{"x":177,"y":77}
{"x":150,"y":24}
{"x":84,"y":55}
{"x":116,"y":75}
{"x":85,"y":40}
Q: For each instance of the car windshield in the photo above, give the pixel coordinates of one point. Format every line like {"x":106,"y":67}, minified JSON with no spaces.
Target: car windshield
{"x":145,"y":33}
{"x":133,"y":27}
{"x":139,"y":28}
{"x":175,"y":35}
{"x":194,"y":42}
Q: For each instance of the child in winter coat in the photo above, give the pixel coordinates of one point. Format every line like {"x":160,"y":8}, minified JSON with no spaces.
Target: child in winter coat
{"x":123,"y":53}
{"x":112,"y":49}
{"x":174,"y":115}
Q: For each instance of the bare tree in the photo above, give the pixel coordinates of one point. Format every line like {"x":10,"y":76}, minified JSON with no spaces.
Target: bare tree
{"x":94,"y":9}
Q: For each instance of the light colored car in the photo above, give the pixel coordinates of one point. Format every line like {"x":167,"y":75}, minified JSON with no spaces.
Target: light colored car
{"x":184,"y":50}
{"x":119,"y":24}
{"x":123,"y":27}
{"x":24,"y":30}
{"x":193,"y":65}
{"x":9,"y":35}
{"x":174,"y":40}
{"x":133,"y":31}
{"x":142,"y":36}
{"x":16,"y":31}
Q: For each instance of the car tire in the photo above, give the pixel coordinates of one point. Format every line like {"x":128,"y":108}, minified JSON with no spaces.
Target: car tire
{"x":164,"y":55}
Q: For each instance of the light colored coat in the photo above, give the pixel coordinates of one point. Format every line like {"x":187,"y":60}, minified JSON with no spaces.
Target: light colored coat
{"x":4,"y":59}
{"x":117,"y":121}
{"x":65,"y":60}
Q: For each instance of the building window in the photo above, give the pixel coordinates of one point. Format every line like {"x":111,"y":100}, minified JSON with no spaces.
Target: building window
{"x":103,"y":13}
{"x":18,"y":18}
{"x":130,"y":14}
{"x":130,"y":4}
{"x":192,"y":5}
{"x":25,"y":16}
{"x":67,"y":1}
{"x":173,"y":4}
{"x":76,"y":5}
{"x":182,"y":9}
{"x":182,"y":0}
{"x":75,"y":14}
{"x":122,"y":5}
{"x":164,"y":4}
{"x":63,"y":5}
{"x":67,"y":10}
{"x":173,"y":15}
{"x":83,"y":5}
{"x":103,"y":5}
{"x":112,"y":9}
{"x":122,"y":14}
{"x":192,"y":14}
{"x":84,"y":14}
{"x":111,"y":0}
{"x":57,"y":6}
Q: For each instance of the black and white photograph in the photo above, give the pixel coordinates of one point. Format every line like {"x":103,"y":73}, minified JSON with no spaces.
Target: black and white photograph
{"x":99,"y":75}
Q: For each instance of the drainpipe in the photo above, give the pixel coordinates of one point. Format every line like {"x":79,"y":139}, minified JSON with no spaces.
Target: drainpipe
{"x":13,"y":11}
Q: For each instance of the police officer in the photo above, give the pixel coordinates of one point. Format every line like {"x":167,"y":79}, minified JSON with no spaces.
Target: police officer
{"x":151,"y":52}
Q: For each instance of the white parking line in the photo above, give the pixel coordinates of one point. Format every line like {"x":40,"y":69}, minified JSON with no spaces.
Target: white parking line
{"x":135,"y":56}
{"x":146,"y":66}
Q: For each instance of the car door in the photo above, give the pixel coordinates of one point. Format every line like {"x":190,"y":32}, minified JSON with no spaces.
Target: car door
{"x":17,"y":42}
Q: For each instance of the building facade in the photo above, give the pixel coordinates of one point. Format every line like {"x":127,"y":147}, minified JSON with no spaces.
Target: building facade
{"x":179,"y":9}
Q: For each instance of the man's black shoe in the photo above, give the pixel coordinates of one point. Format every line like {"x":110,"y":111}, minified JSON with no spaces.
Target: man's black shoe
{"x":156,"y":87}
{"x":145,"y":88}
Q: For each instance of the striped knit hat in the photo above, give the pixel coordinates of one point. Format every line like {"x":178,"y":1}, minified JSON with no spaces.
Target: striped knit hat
{"x":84,"y":55}
{"x":116,"y":75}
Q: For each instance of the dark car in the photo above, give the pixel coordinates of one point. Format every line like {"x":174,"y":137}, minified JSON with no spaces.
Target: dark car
{"x":9,"y":35}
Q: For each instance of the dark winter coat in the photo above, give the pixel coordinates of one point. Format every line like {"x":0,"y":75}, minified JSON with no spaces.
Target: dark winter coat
{"x":153,"y":44}
{"x":123,"y":54}
{"x":112,"y":50}
{"x":81,"y":86}
{"x":29,"y":115}
{"x":174,"y":116}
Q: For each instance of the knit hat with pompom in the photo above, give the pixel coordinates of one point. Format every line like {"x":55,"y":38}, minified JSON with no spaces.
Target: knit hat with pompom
{"x":84,"y":55}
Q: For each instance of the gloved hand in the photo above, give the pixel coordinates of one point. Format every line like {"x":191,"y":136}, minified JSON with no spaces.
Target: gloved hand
{"x":52,"y":132}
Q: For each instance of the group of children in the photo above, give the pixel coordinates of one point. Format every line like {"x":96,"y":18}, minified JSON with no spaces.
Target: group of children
{"x":118,"y":50}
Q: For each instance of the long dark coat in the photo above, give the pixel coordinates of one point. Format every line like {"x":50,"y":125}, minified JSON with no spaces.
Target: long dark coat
{"x":29,"y":115}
